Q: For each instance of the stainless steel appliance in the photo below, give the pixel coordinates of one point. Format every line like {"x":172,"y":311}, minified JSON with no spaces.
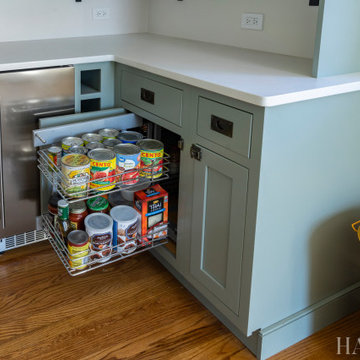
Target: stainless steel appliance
{"x":26,"y":96}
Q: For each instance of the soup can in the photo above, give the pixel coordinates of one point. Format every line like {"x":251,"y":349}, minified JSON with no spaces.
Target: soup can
{"x":77,"y":149}
{"x":70,"y":141}
{"x":102,"y":167}
{"x":115,"y":199}
{"x":76,"y":170}
{"x":131,"y":137}
{"x":94,"y":145}
{"x":54,"y":155}
{"x":127,"y":163}
{"x":110,"y":143}
{"x":109,"y":133}
{"x":151,"y":158}
{"x":125,"y":225}
{"x":100,"y":229}
{"x":91,"y":137}
{"x":78,"y":247}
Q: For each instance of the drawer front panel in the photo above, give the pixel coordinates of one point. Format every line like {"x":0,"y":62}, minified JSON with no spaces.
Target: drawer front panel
{"x":159,"y":99}
{"x":225,"y":125}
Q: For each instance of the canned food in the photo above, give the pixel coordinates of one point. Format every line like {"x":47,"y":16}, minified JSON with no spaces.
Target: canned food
{"x":100,"y":229}
{"x":70,"y":141}
{"x":128,"y":163}
{"x":110,"y":143}
{"x":109,"y":133}
{"x":151,"y":158}
{"x":78,"y":213}
{"x":78,"y":247}
{"x":76,"y":149}
{"x":54,"y":154}
{"x":98,"y":205}
{"x":76,"y":170}
{"x":115,"y":199}
{"x":102,"y":167}
{"x":91,"y":137}
{"x":131,"y":137}
{"x":94,"y":145}
{"x":125,"y":228}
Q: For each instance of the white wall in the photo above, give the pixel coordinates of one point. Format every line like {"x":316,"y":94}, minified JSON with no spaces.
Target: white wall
{"x":43,"y":19}
{"x":289,"y":25}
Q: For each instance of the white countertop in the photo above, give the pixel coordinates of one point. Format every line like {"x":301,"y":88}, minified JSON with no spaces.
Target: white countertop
{"x":256,"y":77}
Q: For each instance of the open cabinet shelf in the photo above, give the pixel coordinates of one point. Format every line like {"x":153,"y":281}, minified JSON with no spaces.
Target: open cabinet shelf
{"x":60,"y":182}
{"x":50,"y":133}
{"x":143,"y":244}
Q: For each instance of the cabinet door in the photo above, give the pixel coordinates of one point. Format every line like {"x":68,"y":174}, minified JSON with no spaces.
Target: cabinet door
{"x":218,"y":220}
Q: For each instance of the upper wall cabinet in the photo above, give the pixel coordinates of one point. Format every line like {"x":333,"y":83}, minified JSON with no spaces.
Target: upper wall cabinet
{"x":337,"y":46}
{"x":94,"y":86}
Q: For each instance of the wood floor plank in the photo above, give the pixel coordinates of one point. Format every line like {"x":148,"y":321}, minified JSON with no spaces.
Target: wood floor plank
{"x":130,"y":310}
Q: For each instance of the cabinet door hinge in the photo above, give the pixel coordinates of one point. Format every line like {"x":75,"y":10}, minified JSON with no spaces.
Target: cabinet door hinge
{"x":181,"y":144}
{"x":195,"y":152}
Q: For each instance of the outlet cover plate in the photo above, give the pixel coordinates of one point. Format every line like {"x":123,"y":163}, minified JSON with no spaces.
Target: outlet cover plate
{"x":252,"y":21}
{"x":101,"y":13}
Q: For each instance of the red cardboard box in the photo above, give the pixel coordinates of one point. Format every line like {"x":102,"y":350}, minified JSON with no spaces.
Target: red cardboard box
{"x":152,"y":206}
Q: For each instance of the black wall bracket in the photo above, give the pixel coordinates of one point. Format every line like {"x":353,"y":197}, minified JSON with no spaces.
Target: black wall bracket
{"x":314,"y":2}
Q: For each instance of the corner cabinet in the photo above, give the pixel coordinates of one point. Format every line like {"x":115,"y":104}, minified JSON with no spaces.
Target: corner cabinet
{"x":218,"y":221}
{"x":261,"y":219}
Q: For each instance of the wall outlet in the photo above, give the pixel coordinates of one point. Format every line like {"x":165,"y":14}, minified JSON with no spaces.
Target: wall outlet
{"x":101,"y":13}
{"x":252,"y":21}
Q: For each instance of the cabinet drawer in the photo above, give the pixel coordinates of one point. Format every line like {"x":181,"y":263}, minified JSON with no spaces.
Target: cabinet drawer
{"x":225,"y":125}
{"x":159,"y":99}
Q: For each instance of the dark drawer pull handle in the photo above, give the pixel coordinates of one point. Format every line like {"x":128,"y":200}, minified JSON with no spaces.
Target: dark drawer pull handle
{"x":222,"y":126}
{"x":147,"y":96}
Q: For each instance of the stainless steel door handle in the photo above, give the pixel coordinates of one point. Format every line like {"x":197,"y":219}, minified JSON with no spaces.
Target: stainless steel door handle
{"x":69,"y":110}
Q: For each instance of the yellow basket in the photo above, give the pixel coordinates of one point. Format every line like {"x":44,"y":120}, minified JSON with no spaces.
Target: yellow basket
{"x":356,"y":228}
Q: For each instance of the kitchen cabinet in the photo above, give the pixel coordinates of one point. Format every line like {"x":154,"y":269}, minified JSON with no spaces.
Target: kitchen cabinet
{"x":155,"y":97}
{"x":337,"y":48}
{"x":72,"y":126}
{"x":218,"y":223}
{"x":94,"y":86}
{"x":269,"y":280}
{"x":264,"y":262}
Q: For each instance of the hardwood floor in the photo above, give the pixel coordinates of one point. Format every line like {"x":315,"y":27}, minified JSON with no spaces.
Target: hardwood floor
{"x":131,"y":310}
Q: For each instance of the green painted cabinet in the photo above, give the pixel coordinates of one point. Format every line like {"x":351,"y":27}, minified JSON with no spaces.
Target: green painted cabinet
{"x":265,"y":214}
{"x":218,"y":220}
{"x":94,"y":86}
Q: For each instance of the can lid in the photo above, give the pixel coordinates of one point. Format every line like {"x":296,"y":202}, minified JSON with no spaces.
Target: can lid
{"x":78,"y":149}
{"x":111,"y":142}
{"x":92,"y":137}
{"x":150,"y":144}
{"x":72,"y":140}
{"x":98,"y":222}
{"x":97,"y":203}
{"x":130,"y":136}
{"x":126,"y":149}
{"x":94,"y":145}
{"x":75,"y":160}
{"x":54,"y":149}
{"x":77,"y":207}
{"x":109,"y":132}
{"x":78,"y":237}
{"x":101,"y":154}
{"x":123,"y":213}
